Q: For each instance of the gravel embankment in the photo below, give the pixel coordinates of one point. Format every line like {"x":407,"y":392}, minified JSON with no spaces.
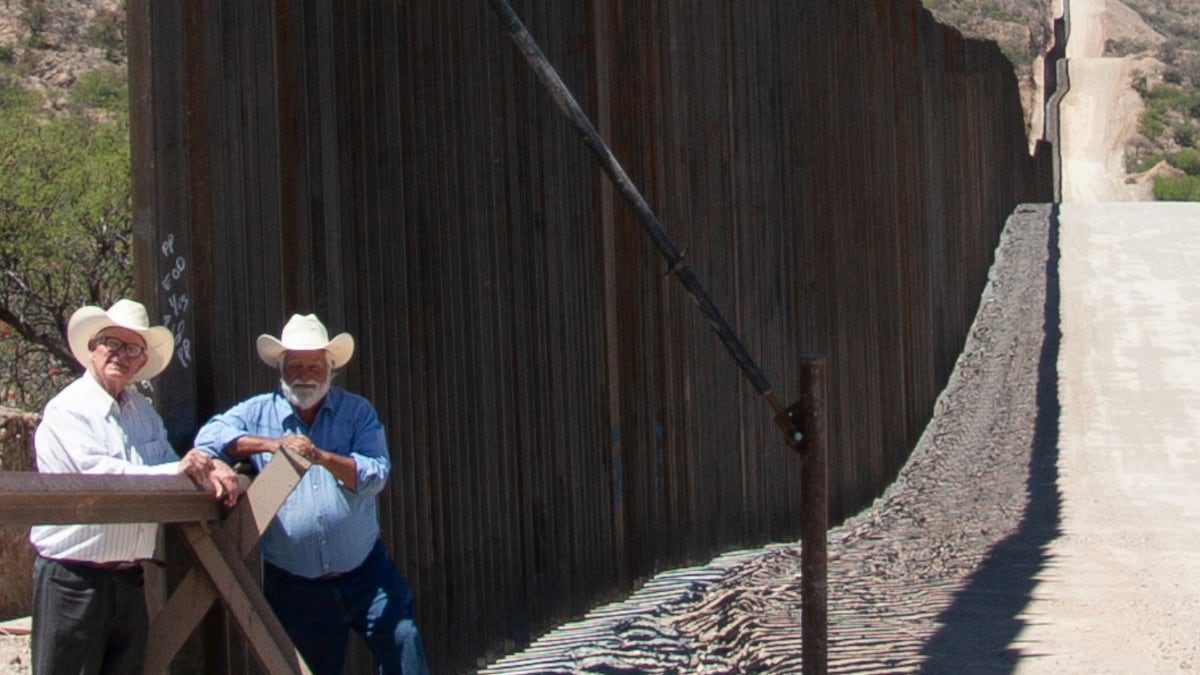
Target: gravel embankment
{"x":932,"y":577}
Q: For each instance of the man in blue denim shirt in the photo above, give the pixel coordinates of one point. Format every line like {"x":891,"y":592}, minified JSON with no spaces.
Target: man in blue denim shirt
{"x":325,"y":567}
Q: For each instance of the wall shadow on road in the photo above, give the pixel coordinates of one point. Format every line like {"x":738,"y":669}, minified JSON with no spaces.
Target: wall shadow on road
{"x":979,"y":627}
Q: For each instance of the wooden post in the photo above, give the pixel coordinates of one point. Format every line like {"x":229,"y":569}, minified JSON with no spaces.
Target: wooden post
{"x":814,"y":524}
{"x":191,"y":600}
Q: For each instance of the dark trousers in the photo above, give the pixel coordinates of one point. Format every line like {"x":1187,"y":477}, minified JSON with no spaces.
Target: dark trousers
{"x":373,"y":599}
{"x":87,"y":620}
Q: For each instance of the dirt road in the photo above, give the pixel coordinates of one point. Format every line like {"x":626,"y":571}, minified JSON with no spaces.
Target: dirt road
{"x":1099,"y":117}
{"x":1100,"y":111}
{"x":1123,"y":588}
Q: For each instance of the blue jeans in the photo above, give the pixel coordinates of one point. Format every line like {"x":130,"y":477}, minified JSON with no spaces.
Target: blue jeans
{"x":373,"y":599}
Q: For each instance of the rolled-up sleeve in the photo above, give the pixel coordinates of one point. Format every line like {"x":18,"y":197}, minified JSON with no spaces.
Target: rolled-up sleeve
{"x":370,"y":452}
{"x":223,"y":429}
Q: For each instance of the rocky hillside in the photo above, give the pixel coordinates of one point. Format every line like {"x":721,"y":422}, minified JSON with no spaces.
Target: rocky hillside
{"x":1022,"y":28}
{"x":48,"y":44}
{"x":1164,"y":34}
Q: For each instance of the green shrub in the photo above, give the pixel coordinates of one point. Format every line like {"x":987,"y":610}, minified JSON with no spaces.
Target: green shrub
{"x":996,"y":12}
{"x":106,"y":89}
{"x":108,"y":30}
{"x":1177,"y":189}
{"x":1122,"y":46}
{"x":1150,"y":123}
{"x":33,"y":15}
{"x":1139,"y":165}
{"x":1185,"y":134}
{"x":1163,"y":97}
{"x":1187,"y":161}
{"x":1139,"y":83}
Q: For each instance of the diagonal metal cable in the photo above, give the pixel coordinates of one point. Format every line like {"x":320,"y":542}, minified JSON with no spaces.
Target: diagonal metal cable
{"x":650,"y":223}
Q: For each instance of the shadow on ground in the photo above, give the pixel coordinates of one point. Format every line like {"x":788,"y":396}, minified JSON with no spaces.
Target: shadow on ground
{"x":979,"y":627}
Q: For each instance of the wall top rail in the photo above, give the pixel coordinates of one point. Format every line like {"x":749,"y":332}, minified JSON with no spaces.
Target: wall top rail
{"x":28,"y":498}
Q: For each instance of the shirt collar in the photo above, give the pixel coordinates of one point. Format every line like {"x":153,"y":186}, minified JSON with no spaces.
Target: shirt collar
{"x":96,"y":398}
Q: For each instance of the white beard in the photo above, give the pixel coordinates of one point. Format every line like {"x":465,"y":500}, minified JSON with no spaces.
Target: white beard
{"x":305,"y":394}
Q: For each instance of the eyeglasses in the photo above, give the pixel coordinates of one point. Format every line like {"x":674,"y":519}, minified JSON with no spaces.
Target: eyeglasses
{"x":114,"y":345}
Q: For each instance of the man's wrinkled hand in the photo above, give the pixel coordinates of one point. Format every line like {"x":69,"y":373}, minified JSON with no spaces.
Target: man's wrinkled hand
{"x":301,"y":445}
{"x":212,"y":474}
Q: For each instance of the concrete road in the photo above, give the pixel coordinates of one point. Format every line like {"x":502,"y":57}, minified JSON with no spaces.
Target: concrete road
{"x":1122,"y":591}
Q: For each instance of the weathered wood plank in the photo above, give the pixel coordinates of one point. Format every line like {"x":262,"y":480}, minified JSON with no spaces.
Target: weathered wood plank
{"x":222,"y":562}
{"x":171,"y":626}
{"x":28,"y":498}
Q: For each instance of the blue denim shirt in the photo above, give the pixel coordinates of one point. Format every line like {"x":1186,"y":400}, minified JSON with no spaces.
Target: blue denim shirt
{"x":323,"y":527}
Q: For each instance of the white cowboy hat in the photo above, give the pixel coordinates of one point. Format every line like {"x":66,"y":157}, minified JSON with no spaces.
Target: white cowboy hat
{"x":88,"y":321}
{"x":305,"y":333}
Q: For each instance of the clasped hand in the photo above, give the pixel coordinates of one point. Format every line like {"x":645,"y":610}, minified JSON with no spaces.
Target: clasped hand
{"x":212,"y":474}
{"x":301,"y":445}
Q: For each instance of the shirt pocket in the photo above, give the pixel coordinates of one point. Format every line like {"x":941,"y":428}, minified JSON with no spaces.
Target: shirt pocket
{"x":145,"y":441}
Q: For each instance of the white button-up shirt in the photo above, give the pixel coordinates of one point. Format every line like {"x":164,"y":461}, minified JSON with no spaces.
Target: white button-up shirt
{"x":85,"y":430}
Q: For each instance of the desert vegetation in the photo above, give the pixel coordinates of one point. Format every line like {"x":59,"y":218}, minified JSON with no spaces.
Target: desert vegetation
{"x":1169,"y":127}
{"x":65,"y":211}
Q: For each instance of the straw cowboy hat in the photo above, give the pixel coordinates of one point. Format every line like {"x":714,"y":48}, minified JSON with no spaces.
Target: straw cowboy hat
{"x":305,"y":333}
{"x":88,"y":321}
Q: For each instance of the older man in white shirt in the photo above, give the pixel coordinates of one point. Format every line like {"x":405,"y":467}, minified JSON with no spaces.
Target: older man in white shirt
{"x":89,"y":613}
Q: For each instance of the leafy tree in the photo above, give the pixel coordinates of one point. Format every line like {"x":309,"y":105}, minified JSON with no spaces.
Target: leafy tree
{"x":65,"y":219}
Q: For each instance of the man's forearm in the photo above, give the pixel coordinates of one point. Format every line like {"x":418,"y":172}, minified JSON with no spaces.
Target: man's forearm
{"x":244,"y":446}
{"x":345,"y":469}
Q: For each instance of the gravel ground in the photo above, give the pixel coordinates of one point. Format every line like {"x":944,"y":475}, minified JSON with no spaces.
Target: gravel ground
{"x":14,"y":654}
{"x":933,"y":576}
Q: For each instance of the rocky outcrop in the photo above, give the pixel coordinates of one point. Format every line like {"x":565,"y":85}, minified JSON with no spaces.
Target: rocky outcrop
{"x":51,"y":43}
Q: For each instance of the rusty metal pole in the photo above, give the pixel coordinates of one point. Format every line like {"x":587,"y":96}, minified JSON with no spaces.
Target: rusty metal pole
{"x":814,"y":518}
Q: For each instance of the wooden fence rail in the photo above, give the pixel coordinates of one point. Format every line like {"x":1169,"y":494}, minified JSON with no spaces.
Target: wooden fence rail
{"x":221,"y":542}
{"x":28,"y":498}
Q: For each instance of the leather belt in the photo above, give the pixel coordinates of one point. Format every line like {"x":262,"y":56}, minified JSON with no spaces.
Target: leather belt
{"x":108,"y":566}
{"x":296,"y":578}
